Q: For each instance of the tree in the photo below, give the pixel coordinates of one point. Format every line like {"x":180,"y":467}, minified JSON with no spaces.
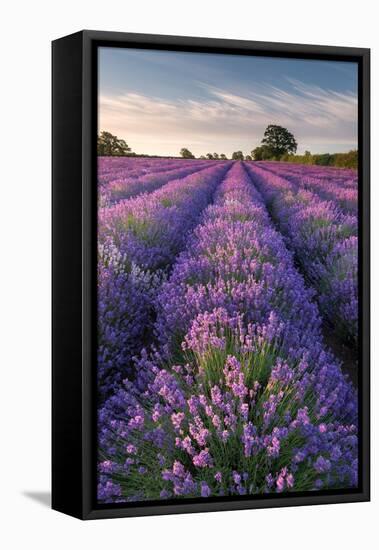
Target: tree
{"x":186,"y":153}
{"x":346,"y":160}
{"x":209,"y":156}
{"x":261,"y":153}
{"x":202,"y":157}
{"x":257,"y":153}
{"x":215,"y":156}
{"x":223,"y":157}
{"x":110,"y":145}
{"x":248,"y":157}
{"x":237,"y":155}
{"x":326,"y":159}
{"x":279,"y":141}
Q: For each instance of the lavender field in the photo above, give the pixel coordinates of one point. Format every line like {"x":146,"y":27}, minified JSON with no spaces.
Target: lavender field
{"x":227,"y":305}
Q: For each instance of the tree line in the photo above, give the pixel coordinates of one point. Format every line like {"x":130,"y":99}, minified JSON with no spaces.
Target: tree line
{"x":338,"y":160}
{"x":277,"y":143}
{"x":237,"y":155}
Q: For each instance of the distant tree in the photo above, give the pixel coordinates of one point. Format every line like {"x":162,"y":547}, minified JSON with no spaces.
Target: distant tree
{"x":215,"y":156}
{"x":203,"y":157}
{"x":223,"y":157}
{"x":325,"y":159}
{"x":279,"y":141}
{"x":237,"y":155}
{"x":346,"y":160}
{"x":261,"y":153}
{"x":257,"y":153}
{"x":341,"y":160}
{"x":110,"y":145}
{"x":209,"y":156}
{"x":186,"y":153}
{"x":248,"y":157}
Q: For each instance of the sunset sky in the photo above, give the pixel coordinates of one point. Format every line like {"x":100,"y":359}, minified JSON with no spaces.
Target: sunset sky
{"x":161,"y":101}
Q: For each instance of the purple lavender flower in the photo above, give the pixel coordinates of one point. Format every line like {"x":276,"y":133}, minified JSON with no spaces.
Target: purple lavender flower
{"x":204,"y":489}
{"x":322,"y":465}
{"x":218,"y":477}
{"x":203,"y":459}
{"x":239,"y":380}
{"x":323,"y":235}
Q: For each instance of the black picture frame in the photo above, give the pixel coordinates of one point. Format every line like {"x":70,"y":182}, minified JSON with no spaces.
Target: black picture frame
{"x":74,"y":110}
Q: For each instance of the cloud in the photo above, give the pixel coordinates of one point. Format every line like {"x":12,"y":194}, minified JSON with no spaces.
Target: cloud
{"x":224,"y":121}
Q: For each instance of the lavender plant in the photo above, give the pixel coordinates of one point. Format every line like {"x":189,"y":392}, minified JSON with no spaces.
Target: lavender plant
{"x":138,"y":241}
{"x":242,"y":397}
{"x":125,"y":185}
{"x":324,"y":240}
{"x":339,"y":187}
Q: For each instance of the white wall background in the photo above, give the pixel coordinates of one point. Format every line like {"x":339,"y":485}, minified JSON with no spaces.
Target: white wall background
{"x":27,"y":29}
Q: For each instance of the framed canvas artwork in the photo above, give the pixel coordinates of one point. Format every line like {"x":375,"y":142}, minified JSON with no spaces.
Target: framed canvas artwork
{"x":210,"y":274}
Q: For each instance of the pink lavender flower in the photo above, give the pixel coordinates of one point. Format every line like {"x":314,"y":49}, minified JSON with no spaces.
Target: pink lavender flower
{"x":239,"y":374}
{"x":177,"y":419}
{"x":178,"y":469}
{"x":203,"y":459}
{"x":218,"y":477}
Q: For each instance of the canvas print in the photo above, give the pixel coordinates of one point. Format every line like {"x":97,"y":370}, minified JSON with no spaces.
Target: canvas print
{"x":227,"y":280}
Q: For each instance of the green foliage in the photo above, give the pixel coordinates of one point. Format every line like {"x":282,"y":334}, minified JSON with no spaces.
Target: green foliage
{"x":261,"y":153}
{"x":257,"y":153}
{"x":340,"y":160}
{"x":248,"y":157}
{"x":279,"y":141}
{"x":228,"y":455}
{"x":214,"y":156}
{"x":110,"y":145}
{"x":237,"y":155}
{"x":186,"y":153}
{"x":279,"y":144}
{"x":346,"y":160}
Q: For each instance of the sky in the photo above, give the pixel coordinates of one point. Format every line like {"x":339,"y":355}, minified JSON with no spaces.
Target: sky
{"x":161,"y":101}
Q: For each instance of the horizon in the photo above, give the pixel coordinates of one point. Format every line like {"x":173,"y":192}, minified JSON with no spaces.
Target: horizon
{"x":162,"y":101}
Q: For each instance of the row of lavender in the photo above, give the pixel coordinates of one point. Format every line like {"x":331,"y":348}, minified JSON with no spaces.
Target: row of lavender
{"x":346,"y":177}
{"x":138,"y":240}
{"x":325,"y":241}
{"x":126,"y":181}
{"x":241,"y":396}
{"x":339,"y":186}
{"x":111,"y":168}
